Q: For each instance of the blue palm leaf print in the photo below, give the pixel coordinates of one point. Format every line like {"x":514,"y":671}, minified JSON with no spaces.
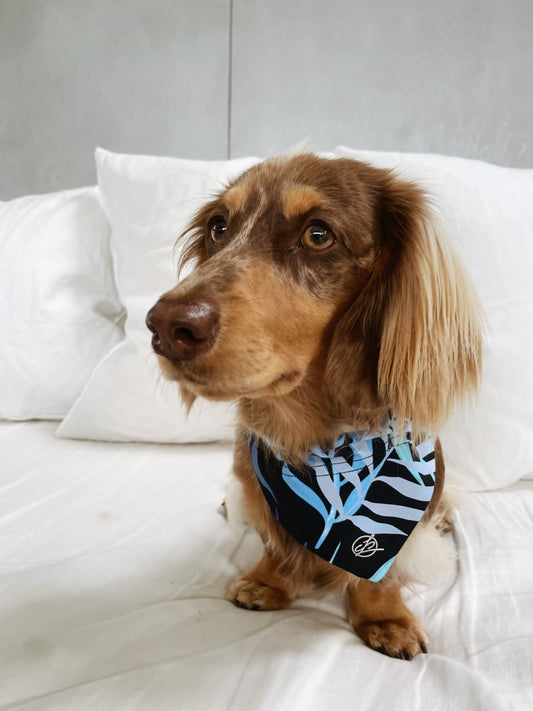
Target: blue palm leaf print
{"x":303,"y":491}
{"x":408,"y":488}
{"x":330,"y":488}
{"x":260,"y":476}
{"x":337,"y":484}
{"x":393,"y":510}
{"x":340,"y":466}
{"x":382,"y":570}
{"x":368,"y":525}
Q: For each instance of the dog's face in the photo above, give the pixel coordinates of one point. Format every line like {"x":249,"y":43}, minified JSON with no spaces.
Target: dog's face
{"x":282,"y":252}
{"x":325,"y":268}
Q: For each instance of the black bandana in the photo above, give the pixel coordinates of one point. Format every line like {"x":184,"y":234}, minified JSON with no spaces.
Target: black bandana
{"x":353,"y":506}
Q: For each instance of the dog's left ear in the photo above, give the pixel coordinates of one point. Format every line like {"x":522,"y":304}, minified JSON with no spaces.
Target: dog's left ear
{"x":411,"y":340}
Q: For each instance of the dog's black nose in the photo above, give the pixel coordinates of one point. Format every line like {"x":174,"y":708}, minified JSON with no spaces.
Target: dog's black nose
{"x":182,"y":329}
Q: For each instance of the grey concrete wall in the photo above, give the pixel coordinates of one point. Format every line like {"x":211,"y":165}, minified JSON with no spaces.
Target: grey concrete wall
{"x":139,"y":76}
{"x":212,"y":78}
{"x":450,"y":77}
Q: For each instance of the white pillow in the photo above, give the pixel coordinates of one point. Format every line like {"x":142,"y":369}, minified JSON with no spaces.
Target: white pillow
{"x":149,"y":201}
{"x":59,"y":309}
{"x":489,"y":211}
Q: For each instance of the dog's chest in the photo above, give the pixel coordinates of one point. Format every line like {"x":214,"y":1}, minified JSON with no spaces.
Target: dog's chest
{"x":356,"y":504}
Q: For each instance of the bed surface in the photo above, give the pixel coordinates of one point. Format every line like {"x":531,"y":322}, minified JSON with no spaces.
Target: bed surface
{"x":114,"y":564}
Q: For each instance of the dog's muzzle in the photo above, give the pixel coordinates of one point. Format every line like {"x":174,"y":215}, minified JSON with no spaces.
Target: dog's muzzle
{"x":182,"y":330}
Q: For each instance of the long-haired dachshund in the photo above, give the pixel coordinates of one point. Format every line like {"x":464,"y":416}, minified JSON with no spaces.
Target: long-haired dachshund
{"x":326,"y":303}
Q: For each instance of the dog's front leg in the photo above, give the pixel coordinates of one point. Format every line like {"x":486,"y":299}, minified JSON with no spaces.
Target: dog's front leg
{"x":380,"y":617}
{"x":263,"y":588}
{"x":284,"y":570}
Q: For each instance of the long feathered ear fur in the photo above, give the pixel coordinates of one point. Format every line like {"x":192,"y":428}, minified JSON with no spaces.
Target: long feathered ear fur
{"x":412,"y":338}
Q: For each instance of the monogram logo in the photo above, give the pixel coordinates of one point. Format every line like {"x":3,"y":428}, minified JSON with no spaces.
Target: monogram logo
{"x":365,"y":546}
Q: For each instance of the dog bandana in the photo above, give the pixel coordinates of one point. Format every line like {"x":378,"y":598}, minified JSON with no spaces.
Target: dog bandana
{"x":355,"y":505}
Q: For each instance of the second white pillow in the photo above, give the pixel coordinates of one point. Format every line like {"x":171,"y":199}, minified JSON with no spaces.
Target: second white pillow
{"x":149,"y":202}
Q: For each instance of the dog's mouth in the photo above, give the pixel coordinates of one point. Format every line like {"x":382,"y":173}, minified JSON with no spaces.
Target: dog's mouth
{"x":213,"y":386}
{"x":195,"y":346}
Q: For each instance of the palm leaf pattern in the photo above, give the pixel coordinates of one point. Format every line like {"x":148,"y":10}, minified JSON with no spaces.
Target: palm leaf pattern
{"x":346,"y":511}
{"x":376,"y":485}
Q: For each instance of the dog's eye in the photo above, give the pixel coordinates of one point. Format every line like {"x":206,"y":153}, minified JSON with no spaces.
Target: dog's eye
{"x":217,"y":229}
{"x":317,"y":237}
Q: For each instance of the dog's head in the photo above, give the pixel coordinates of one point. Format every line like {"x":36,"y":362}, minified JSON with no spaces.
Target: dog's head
{"x":322,"y":270}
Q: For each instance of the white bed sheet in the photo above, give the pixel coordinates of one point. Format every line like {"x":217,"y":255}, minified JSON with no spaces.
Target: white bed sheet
{"x":114,"y":562}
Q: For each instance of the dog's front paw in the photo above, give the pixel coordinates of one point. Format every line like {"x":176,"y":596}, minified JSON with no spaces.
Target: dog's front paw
{"x":254,"y":595}
{"x":402,"y":638}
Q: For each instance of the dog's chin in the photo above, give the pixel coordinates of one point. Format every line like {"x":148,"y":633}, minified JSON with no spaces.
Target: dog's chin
{"x":229,"y":391}
{"x":254,"y":386}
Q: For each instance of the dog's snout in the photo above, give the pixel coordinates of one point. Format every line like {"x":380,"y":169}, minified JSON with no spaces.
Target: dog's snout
{"x":182,"y":329}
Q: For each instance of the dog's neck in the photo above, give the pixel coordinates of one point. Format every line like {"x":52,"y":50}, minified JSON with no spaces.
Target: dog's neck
{"x":305,"y":417}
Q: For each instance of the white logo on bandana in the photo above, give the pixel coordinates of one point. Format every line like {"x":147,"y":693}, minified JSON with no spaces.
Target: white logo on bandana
{"x":365,"y":546}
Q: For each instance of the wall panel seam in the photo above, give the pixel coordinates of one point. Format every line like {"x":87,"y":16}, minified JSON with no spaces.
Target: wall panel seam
{"x":230,"y":80}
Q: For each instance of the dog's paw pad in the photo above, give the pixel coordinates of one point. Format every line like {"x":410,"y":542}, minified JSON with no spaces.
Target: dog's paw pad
{"x":402,"y":639}
{"x":253,"y":595}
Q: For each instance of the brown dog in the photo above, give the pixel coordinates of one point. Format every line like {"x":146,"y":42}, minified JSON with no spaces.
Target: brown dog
{"x":324,"y":302}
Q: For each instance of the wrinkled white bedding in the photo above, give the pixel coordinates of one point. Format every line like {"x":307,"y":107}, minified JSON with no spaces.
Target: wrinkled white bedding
{"x":114,"y":561}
